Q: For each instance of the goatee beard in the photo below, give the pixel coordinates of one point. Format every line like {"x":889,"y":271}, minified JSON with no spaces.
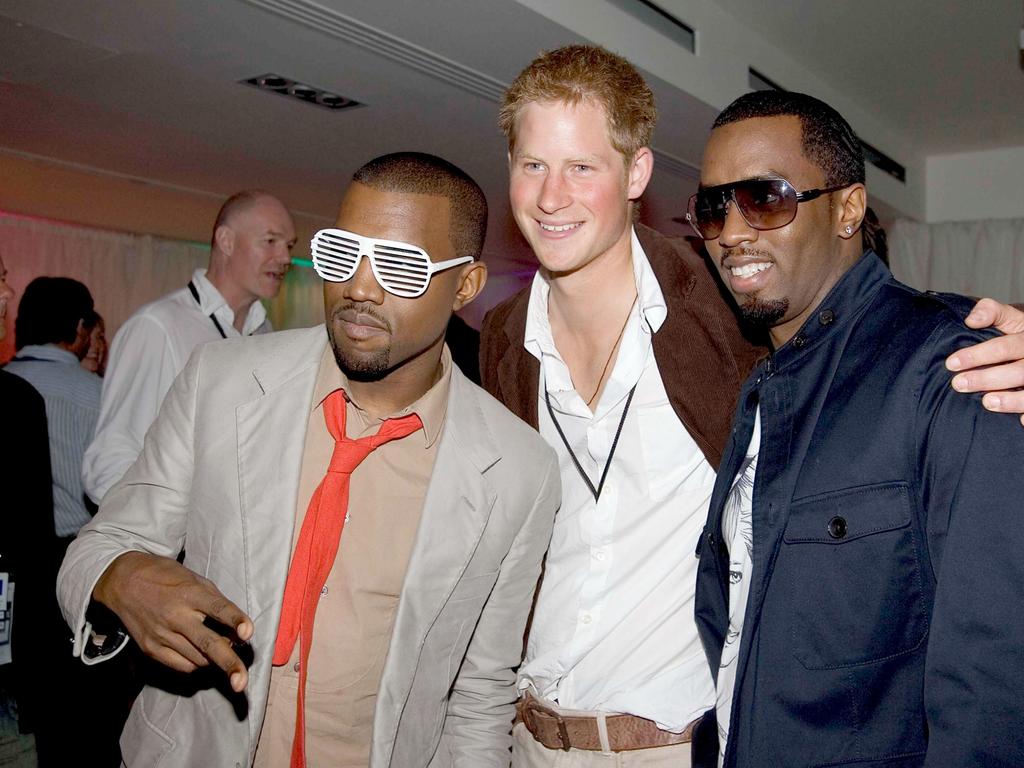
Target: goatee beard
{"x":373,"y":368}
{"x":764,"y":312}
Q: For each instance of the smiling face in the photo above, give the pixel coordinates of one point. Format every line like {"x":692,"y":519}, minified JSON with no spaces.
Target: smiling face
{"x":569,"y":189}
{"x":95,"y":360}
{"x":376,"y":334}
{"x":257,"y":241}
{"x":777,"y":276}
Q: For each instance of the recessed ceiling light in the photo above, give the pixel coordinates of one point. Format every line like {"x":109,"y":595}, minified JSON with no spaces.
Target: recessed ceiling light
{"x":296,"y":90}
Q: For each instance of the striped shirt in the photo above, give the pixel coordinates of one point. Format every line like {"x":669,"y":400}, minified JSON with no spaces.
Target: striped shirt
{"x":72,"y":397}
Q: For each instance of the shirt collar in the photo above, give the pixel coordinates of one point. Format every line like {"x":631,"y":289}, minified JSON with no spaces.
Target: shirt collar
{"x":431,"y":407}
{"x":857,"y":286}
{"x":653,"y":309}
{"x":538,"y":339}
{"x":50,"y":352}
{"x":211,"y":302}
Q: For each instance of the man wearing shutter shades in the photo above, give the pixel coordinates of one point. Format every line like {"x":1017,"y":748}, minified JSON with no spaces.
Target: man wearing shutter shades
{"x":861,"y":559}
{"x":359,"y":521}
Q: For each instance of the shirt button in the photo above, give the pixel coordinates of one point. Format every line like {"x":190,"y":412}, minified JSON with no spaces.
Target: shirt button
{"x":837,"y":527}
{"x":799,"y":342}
{"x":826,"y":317}
{"x":599,"y":555}
{"x":586,"y":618}
{"x":295,"y":667}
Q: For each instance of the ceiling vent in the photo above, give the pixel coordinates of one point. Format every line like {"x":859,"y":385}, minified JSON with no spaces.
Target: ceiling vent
{"x":657,"y":18}
{"x":876,"y":157}
{"x":300,"y":91}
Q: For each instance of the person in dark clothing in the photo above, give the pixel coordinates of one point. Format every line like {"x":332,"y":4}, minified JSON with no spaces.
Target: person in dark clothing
{"x":27,"y":529}
{"x":463,"y":342}
{"x":860,"y":568}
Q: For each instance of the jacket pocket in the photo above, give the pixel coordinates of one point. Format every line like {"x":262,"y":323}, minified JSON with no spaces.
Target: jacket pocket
{"x":145,"y":740}
{"x":851,"y":565}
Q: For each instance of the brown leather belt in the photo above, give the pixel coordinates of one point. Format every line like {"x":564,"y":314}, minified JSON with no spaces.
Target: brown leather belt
{"x":625,"y":732}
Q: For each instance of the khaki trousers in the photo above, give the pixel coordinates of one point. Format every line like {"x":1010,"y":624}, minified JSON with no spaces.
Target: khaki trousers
{"x":527,"y":752}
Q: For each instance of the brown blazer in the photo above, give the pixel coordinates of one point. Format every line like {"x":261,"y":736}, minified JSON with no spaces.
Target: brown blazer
{"x":702,"y":354}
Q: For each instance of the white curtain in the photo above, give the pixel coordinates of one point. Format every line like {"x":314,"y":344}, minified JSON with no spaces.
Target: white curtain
{"x":973,"y":258}
{"x":124,"y":271}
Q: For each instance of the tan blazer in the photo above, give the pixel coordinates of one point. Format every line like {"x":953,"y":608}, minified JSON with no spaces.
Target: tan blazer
{"x":218,"y":476}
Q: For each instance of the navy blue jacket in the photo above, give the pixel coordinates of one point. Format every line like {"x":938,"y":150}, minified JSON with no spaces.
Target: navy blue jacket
{"x":884,"y":625}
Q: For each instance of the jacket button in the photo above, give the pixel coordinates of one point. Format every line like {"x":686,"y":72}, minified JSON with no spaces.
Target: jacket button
{"x":837,"y":527}
{"x":826,"y":317}
{"x":711,"y":539}
{"x":799,"y":342}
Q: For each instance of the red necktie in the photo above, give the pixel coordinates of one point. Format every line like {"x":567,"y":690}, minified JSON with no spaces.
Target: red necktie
{"x":318,"y":545}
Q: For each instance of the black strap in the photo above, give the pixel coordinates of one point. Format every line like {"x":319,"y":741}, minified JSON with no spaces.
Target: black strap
{"x":216,"y":322}
{"x":611,"y":454}
{"x":29,"y":358}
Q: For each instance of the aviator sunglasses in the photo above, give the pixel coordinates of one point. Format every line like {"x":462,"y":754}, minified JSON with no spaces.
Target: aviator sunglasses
{"x":400,"y":268}
{"x":763,"y":204}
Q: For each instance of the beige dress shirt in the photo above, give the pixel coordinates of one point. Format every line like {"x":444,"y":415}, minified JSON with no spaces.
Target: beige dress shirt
{"x":355,"y":617}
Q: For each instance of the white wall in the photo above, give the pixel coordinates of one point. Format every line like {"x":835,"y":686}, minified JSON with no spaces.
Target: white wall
{"x":976,"y":185}
{"x":717,"y":74}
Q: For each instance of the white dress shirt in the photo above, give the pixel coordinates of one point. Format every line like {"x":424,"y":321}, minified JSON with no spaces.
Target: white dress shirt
{"x":149,"y":350}
{"x":72,"y":397}
{"x":613,"y":629}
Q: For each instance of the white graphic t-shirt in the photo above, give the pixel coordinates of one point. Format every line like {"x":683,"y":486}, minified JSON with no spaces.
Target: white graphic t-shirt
{"x":738,"y":535}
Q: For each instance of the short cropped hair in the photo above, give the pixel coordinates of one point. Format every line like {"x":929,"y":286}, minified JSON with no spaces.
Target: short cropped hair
{"x":50,"y":310}
{"x":828,"y":140}
{"x":238,"y":202}
{"x":423,"y":174}
{"x":586,"y":73}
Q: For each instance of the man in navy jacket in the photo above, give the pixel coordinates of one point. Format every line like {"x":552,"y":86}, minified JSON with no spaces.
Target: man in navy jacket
{"x":860,"y":577}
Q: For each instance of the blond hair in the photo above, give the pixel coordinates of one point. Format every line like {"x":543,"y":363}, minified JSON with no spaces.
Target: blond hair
{"x":586,"y":73}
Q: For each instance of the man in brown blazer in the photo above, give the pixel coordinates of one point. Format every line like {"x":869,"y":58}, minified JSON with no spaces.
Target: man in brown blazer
{"x":627,"y":358}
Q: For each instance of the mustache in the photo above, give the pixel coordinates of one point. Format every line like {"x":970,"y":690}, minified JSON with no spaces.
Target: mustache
{"x":743,"y":251}
{"x":361,"y":308}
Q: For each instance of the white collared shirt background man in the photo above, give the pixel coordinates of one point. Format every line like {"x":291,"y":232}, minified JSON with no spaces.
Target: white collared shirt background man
{"x":249,"y":257}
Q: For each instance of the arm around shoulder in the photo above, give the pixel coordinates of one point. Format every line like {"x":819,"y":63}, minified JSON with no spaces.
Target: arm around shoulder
{"x":995,"y":366}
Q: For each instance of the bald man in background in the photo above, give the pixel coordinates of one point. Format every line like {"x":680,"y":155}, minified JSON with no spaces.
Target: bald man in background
{"x":249,"y":257}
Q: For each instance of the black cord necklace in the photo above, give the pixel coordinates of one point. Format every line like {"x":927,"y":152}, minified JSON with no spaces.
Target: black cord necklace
{"x":611,"y":454}
{"x":216,"y":322}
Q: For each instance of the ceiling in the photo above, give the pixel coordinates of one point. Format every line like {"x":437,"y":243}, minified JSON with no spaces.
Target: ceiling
{"x":150,"y":90}
{"x":946,"y":73}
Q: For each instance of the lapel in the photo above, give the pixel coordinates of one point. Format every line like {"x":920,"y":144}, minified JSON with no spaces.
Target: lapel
{"x":455,"y":512}
{"x":518,"y":370}
{"x":271,"y":431}
{"x":698,"y":367}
